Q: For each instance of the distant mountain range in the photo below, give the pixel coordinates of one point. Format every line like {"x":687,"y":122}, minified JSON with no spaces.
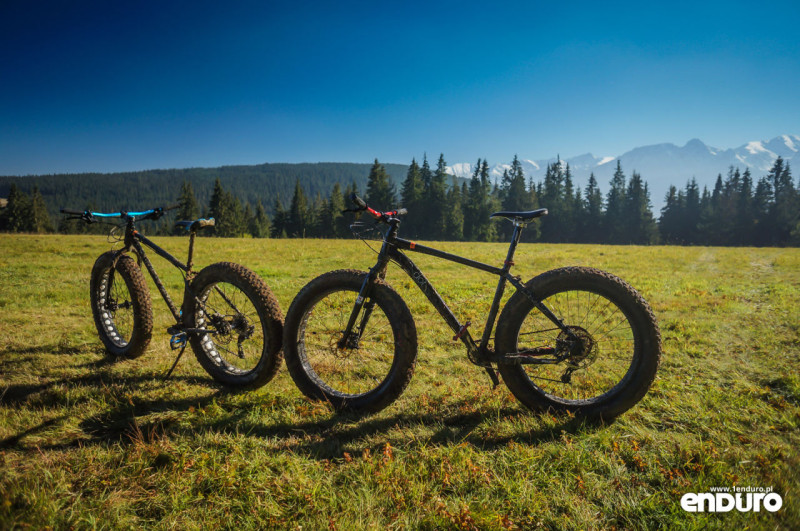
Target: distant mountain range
{"x":664,"y":164}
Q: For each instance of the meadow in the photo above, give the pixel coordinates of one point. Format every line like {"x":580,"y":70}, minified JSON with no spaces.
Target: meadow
{"x":88,"y":442}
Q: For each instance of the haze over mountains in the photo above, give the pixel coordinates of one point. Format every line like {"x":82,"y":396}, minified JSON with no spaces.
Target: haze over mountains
{"x":662,"y":165}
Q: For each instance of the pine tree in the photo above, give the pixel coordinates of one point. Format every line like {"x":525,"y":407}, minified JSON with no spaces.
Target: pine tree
{"x":380,"y":190}
{"x":671,"y":214}
{"x":784,"y":211}
{"x":259,"y":223}
{"x":280,"y":221}
{"x":219,"y":209}
{"x":18,"y":211}
{"x":331,"y":214}
{"x":298,"y":213}
{"x":592,"y":221}
{"x":412,"y":199}
{"x":642,"y":229}
{"x":762,"y":204}
{"x":189,"y":209}
{"x":40,"y":219}
{"x":615,"y":207}
{"x":552,"y":198}
{"x":435,"y":201}
{"x":745,"y":217}
{"x":454,"y":215}
{"x":472,"y":204}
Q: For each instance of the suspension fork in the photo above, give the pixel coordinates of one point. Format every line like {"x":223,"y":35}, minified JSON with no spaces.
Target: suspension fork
{"x":364,"y":305}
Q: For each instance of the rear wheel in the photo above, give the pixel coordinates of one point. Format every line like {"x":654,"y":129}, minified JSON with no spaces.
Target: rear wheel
{"x":602,"y":367}
{"x":364,"y":372}
{"x":242,"y":322}
{"x":121,"y":305}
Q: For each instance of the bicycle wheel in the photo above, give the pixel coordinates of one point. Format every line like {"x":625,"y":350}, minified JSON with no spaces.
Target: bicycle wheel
{"x":121,"y":305}
{"x":242,"y":322}
{"x":365,"y":373}
{"x":610,"y":366}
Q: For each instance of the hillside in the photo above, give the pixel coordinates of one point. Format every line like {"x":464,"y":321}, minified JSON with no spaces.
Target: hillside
{"x":146,"y":189}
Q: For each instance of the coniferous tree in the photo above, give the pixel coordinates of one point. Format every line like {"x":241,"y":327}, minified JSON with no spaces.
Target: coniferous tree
{"x":642,"y":229}
{"x":331,"y":214}
{"x":189,"y":209}
{"x":411,"y":194}
{"x":615,"y":207}
{"x":219,"y":208}
{"x":298,"y":214}
{"x":454,"y":215}
{"x":259,"y":223}
{"x":783,"y":212}
{"x":569,"y":209}
{"x":671,"y":212}
{"x":691,"y":213}
{"x":435,"y":201}
{"x":745,"y":216}
{"x":592,"y":221}
{"x":40,"y":219}
{"x":18,"y":210}
{"x":552,"y":198}
{"x":472,"y":204}
{"x":280,"y":221}
{"x":480,"y":205}
{"x":380,"y":190}
{"x":762,"y":202}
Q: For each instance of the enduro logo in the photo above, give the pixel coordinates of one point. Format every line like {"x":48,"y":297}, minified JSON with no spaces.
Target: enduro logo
{"x":725,"y":499}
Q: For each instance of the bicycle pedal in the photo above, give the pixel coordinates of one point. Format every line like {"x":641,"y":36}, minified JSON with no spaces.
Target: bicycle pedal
{"x":177,"y":341}
{"x":461,"y":331}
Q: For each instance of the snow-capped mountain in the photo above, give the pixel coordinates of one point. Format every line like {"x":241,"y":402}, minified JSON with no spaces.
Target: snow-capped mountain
{"x":664,"y":164}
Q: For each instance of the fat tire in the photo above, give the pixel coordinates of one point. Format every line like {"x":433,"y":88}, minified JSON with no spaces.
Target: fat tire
{"x":403,"y":330}
{"x":270,"y":320}
{"x":116,"y":265}
{"x":646,"y":335}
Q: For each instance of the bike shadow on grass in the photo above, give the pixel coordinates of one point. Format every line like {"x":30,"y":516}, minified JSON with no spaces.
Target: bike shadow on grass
{"x":330,"y":438}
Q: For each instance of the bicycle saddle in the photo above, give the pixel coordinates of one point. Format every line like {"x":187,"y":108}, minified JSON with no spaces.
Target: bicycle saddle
{"x":195,"y":224}
{"x":521,"y":216}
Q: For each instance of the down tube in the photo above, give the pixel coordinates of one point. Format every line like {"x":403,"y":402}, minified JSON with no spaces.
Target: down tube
{"x":425,"y":286}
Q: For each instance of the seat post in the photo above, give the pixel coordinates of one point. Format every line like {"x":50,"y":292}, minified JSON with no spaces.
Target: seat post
{"x":192,"y":236}
{"x":512,"y":248}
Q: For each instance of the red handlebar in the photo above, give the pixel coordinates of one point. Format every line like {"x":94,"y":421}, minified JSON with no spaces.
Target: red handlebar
{"x":377,"y":214}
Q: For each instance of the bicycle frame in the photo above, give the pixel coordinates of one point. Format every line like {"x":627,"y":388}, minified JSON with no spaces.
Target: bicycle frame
{"x":391,"y":250}
{"x":134,"y":240}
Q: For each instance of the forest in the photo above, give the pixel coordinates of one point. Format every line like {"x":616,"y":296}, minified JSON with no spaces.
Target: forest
{"x":740,"y":210}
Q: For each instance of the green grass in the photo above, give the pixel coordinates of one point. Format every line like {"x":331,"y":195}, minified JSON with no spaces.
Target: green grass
{"x":86,"y":442}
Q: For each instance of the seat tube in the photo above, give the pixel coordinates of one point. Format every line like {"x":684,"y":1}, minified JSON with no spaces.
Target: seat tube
{"x":501,"y":286}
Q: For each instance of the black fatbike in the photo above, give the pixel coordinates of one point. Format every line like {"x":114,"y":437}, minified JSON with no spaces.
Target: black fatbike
{"x":228,"y":315}
{"x":571,"y":339}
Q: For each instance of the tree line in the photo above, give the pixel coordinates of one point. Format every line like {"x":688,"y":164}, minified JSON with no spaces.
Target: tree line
{"x":441,"y":207}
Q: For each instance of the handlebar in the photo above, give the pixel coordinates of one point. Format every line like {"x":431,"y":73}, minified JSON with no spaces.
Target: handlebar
{"x":89,"y":216}
{"x":377,"y":214}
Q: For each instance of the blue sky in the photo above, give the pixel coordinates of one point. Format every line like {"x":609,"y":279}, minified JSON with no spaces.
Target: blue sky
{"x":118,"y":86}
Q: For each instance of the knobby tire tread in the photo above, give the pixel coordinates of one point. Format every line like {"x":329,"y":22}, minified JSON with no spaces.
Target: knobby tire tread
{"x":136,"y":284}
{"x":270,"y":315}
{"x":403,"y":328}
{"x":646,"y":360}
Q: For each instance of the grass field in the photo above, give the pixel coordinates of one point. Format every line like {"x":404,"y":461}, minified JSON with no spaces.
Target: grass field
{"x":86,"y":442}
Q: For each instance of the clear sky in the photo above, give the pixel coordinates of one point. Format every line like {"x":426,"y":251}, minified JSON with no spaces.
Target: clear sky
{"x":128,"y":85}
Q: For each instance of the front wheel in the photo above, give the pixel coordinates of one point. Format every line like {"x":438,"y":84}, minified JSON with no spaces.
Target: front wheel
{"x":121,"y":305}
{"x":365,"y":371}
{"x":602,"y":367}
{"x":238,"y":325}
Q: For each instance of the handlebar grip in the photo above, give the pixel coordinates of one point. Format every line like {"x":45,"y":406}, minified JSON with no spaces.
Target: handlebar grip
{"x":402,"y":211}
{"x":172,"y":207}
{"x":358,"y":201}
{"x":72,"y":212}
